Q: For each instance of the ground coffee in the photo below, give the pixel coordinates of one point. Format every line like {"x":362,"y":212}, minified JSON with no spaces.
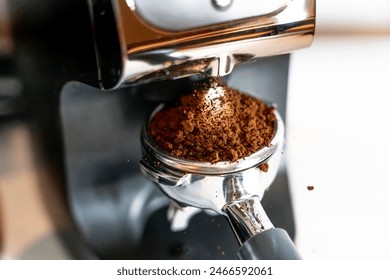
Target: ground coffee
{"x":214,"y":123}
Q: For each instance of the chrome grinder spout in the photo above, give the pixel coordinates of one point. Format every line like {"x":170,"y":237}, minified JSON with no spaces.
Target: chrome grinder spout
{"x":161,"y":40}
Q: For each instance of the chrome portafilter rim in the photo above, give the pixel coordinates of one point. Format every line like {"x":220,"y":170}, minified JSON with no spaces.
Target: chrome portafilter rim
{"x":207,"y":168}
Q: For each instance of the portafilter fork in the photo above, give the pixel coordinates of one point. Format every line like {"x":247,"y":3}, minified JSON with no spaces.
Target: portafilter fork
{"x":232,"y":189}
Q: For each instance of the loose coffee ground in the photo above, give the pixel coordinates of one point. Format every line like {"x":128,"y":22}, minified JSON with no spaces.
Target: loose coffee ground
{"x":214,"y":123}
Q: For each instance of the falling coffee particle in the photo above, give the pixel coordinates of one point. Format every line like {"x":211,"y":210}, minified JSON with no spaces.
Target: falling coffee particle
{"x":214,"y":123}
{"x":264,"y":167}
{"x":310,"y":188}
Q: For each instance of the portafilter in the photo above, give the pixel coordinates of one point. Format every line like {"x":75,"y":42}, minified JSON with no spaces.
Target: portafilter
{"x":232,"y":189}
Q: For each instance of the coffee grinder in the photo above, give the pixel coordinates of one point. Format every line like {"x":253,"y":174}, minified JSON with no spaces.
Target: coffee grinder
{"x":94,"y":71}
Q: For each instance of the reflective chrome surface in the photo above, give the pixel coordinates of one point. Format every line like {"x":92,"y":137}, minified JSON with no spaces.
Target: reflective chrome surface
{"x":151,"y":52}
{"x":233,"y":189}
{"x":6,"y":41}
{"x":199,"y":13}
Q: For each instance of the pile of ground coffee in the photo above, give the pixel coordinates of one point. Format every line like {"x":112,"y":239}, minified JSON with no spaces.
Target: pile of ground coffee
{"x":214,"y":123}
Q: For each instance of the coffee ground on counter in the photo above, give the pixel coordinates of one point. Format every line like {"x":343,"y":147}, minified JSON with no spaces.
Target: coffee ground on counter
{"x":214,"y":123}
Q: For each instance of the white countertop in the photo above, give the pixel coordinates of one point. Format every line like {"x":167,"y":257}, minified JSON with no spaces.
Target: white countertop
{"x":338,"y":140}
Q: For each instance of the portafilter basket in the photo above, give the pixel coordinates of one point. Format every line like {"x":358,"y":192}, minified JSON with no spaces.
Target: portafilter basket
{"x":232,"y":189}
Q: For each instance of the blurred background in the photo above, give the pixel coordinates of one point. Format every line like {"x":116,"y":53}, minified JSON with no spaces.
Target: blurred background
{"x":338,"y":133}
{"x":337,"y":142}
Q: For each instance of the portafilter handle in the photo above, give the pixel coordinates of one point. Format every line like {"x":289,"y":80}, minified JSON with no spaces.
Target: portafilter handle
{"x":272,"y":244}
{"x":258,"y":238}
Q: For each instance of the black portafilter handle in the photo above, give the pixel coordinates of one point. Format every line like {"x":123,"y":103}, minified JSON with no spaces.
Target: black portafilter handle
{"x":253,"y":229}
{"x":272,"y":244}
